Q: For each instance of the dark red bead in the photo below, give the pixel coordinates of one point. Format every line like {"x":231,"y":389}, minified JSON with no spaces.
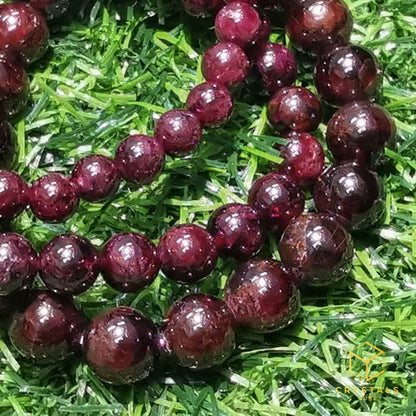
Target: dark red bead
{"x":347,"y":73}
{"x":317,"y":249}
{"x":119,"y":345}
{"x":68,"y":264}
{"x":315,"y":26}
{"x":17,"y":263}
{"x":129,"y":262}
{"x":140,"y":158}
{"x":48,"y":328}
{"x":13,"y":194}
{"x":187,"y":253}
{"x":179,"y":131}
{"x":7,"y":145}
{"x":95,"y":178}
{"x":276,"y":200}
{"x":202,"y":7}
{"x":262,"y":295}
{"x":236,"y":230}
{"x":303,"y":159}
{"x":53,"y":198}
{"x":294,"y":109}
{"x":199,"y":331}
{"x":276,"y":66}
{"x":52,"y":8}
{"x":23,"y":30}
{"x":211,"y":103}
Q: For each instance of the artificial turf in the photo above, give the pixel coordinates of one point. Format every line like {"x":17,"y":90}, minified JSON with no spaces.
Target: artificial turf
{"x":113,"y":70}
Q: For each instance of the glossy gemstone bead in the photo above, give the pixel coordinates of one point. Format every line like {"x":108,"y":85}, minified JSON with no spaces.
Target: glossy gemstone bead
{"x":53,"y":198}
{"x":52,"y":8}
{"x":294,"y":109}
{"x":276,"y":201}
{"x":7,"y":145}
{"x":23,"y":30}
{"x":202,"y":7}
{"x":140,"y":158}
{"x":48,"y":328}
{"x":119,"y":345}
{"x":95,"y":178}
{"x":276,"y":66}
{"x":68,"y":264}
{"x":303,"y":158}
{"x":129,"y":262}
{"x":317,"y":249}
{"x":359,"y":128}
{"x":315,"y":26}
{"x":179,"y":131}
{"x":262,"y":295}
{"x":347,"y":73}
{"x":187,"y":253}
{"x":211,"y":103}
{"x":199,"y":331}
{"x":17,"y":263}
{"x":13,"y":194}
{"x":236,"y":230}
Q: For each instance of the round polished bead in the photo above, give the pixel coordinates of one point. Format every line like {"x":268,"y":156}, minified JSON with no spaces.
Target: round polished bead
{"x":262,"y":295}
{"x":199,"y":331}
{"x":202,"y":7}
{"x":23,"y":30}
{"x":95,"y":178}
{"x":129,"y":262}
{"x":7,"y":145}
{"x":315,"y":26}
{"x":236,"y":230}
{"x":68,"y":264}
{"x":13,"y":194}
{"x":52,"y":8}
{"x":276,"y":66}
{"x":140,"y":158}
{"x":276,"y":200}
{"x":347,"y":73}
{"x":294,"y":109}
{"x":18,"y":264}
{"x":53,"y":198}
{"x":211,"y":103}
{"x":317,"y":249}
{"x":48,"y":328}
{"x":179,"y":131}
{"x":187,"y":253}
{"x":119,"y":345}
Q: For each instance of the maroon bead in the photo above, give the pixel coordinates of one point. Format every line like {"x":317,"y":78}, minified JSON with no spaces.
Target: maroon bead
{"x":129,"y":262}
{"x":119,"y":345}
{"x":7,"y":145}
{"x":236,"y":231}
{"x":187,"y":253}
{"x":303,"y":159}
{"x":140,"y":158}
{"x":294,"y":109}
{"x":358,"y":128}
{"x":315,"y":26}
{"x":48,"y":328}
{"x":53,"y":198}
{"x":225,"y":63}
{"x":317,"y":249}
{"x":211,"y":103}
{"x":52,"y":8}
{"x":199,"y":331}
{"x":262,"y":295}
{"x":95,"y":178}
{"x":17,"y":263}
{"x":13,"y":194}
{"x":202,"y":7}
{"x":68,"y":264}
{"x":179,"y":131}
{"x":347,"y":73}
{"x":276,"y":200}
{"x":23,"y":30}
{"x":277,"y":66}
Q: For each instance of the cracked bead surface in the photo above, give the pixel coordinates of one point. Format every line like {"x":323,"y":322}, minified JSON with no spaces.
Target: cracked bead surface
{"x":119,"y":345}
{"x":262,"y":295}
{"x":199,"y":331}
{"x":202,"y":7}
{"x":13,"y":194}
{"x":317,"y":249}
{"x":7,"y":145}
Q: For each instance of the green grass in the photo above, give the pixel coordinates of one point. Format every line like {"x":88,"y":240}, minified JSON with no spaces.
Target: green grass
{"x":112,"y":72}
